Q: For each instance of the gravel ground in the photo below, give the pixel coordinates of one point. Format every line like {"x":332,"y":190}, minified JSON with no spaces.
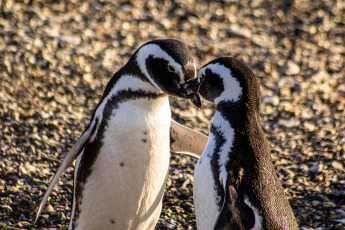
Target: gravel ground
{"x":56,"y":57}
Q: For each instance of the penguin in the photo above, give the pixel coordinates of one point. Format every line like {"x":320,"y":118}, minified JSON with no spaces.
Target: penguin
{"x":235,"y":184}
{"x":123,"y":154}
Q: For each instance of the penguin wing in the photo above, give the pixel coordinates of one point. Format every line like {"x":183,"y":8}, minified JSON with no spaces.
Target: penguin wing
{"x":235,"y":213}
{"x":185,"y":140}
{"x":67,"y":162}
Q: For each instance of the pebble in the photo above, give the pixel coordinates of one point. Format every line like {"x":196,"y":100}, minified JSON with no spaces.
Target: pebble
{"x":340,"y":220}
{"x":340,"y":213}
{"x":290,"y":68}
{"x":329,"y":204}
{"x":303,"y":167}
{"x":271,"y":100}
{"x":23,"y":224}
{"x":309,"y":126}
{"x":30,"y":168}
{"x":337,"y":165}
{"x":315,"y":203}
{"x":49,"y":208}
{"x":322,"y":198}
{"x":297,"y":88}
{"x":289,"y":123}
{"x":6,"y":207}
{"x":316,"y":168}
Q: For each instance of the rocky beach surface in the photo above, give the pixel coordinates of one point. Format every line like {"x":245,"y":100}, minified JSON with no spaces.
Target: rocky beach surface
{"x":56,"y":57}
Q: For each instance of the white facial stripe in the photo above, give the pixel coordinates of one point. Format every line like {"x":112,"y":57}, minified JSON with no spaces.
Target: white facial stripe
{"x":227,"y":132}
{"x":129,"y":82}
{"x":201,"y":72}
{"x":258,"y":216}
{"x":126,"y":82}
{"x":155,"y":51}
{"x":232,"y":89}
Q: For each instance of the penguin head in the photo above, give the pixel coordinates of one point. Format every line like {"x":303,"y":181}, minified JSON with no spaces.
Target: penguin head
{"x":167,"y":64}
{"x":226,"y":79}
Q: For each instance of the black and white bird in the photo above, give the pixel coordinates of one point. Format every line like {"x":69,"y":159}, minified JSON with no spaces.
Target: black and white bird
{"x":123,"y":155}
{"x":235,"y":183}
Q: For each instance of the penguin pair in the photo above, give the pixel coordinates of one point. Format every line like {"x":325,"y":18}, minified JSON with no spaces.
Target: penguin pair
{"x":123,"y":154}
{"x":235,"y":184}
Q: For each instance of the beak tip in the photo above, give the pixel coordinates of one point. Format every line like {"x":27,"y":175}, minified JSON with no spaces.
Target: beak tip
{"x":195,"y":99}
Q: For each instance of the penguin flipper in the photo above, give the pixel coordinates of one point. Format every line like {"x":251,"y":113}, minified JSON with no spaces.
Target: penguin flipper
{"x":235,"y":213}
{"x":66,"y":163}
{"x":185,"y":140}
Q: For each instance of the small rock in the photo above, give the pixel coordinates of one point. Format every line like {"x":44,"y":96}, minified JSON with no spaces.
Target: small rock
{"x":22,"y":169}
{"x":340,"y":220}
{"x":169,"y":182}
{"x":340,"y":213}
{"x":71,"y":39}
{"x":50,"y":208}
{"x":6,"y":207}
{"x":296,"y":88}
{"x":290,"y":68}
{"x":339,"y":194}
{"x":23,"y":224}
{"x":337,"y":165}
{"x":322,"y":198}
{"x":315,"y":203}
{"x":63,"y":217}
{"x":88,"y":77}
{"x":271,"y":100}
{"x":289,"y":123}
{"x":309,"y":126}
{"x":316,"y":168}
{"x":303,"y":167}
{"x":329,"y":204}
{"x":30,"y":168}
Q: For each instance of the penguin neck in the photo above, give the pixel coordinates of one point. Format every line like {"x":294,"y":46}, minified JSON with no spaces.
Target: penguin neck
{"x":135,"y":88}
{"x":248,"y":133}
{"x":239,"y":114}
{"x":129,"y":88}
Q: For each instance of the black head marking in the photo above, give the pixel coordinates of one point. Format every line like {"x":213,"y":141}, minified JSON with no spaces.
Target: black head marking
{"x":211,"y":85}
{"x":240,"y":84}
{"x":167,"y":80}
{"x":166,"y":63}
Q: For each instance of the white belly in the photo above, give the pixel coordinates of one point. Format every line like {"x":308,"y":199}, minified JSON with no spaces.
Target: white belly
{"x":204,"y":194}
{"x":125,"y":188}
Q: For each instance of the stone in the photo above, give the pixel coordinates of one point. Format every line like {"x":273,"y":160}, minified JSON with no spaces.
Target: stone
{"x":289,"y":123}
{"x":271,"y":100}
{"x":316,"y":168}
{"x":290,"y":68}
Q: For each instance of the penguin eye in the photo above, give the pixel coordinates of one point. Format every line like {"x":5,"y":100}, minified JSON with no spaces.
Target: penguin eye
{"x":171,"y":69}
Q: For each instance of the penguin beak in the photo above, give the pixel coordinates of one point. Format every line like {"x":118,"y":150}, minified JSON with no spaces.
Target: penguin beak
{"x":191,"y":88}
{"x":194,"y":97}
